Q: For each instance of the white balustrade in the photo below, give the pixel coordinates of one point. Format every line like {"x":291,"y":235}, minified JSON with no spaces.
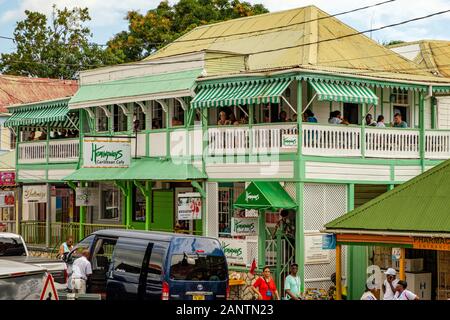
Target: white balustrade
{"x":58,"y":151}
{"x":392,"y":143}
{"x":331,"y":141}
{"x":437,"y":144}
{"x":269,"y":138}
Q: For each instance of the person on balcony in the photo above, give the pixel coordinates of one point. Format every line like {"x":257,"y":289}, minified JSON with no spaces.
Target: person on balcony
{"x":233,"y":121}
{"x":398,"y":122}
{"x":32,"y":136}
{"x":223,"y":121}
{"x":380,"y":122}
{"x":309,"y":116}
{"x":335,"y":117}
{"x":369,"y":121}
{"x":43,"y":136}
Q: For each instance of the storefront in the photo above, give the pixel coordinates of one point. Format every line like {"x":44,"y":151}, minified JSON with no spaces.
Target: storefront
{"x":406,"y":228}
{"x":7,"y":198}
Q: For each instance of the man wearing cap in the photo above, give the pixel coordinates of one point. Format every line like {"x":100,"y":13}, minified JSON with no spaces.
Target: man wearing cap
{"x":389,"y":284}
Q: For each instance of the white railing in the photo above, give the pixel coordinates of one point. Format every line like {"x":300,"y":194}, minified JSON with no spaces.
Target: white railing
{"x":392,"y":143}
{"x":323,"y":140}
{"x":58,"y":151}
{"x":239,"y":140}
{"x":437,"y":144}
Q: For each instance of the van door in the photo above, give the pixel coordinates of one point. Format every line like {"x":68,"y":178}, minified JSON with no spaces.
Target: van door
{"x":125,"y":276}
{"x":101,"y":258}
{"x":154,"y":276}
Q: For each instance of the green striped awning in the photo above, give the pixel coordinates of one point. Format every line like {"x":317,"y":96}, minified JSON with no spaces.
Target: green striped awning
{"x":241,"y":93}
{"x":54,"y":114}
{"x":344,"y":93}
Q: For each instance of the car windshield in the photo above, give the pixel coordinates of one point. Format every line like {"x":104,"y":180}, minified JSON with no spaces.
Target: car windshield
{"x":196,"y":267}
{"x":11,"y":247}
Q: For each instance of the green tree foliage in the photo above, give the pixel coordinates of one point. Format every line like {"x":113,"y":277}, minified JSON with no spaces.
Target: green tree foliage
{"x":391,"y":43}
{"x":55,"y":49}
{"x":158,"y":27}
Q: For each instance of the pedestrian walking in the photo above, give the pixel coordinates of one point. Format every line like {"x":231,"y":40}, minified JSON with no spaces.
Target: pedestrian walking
{"x":265,"y":286}
{"x":401,"y":293}
{"x":292,"y":284}
{"x":65,"y":248}
{"x":81,"y":270}
{"x":389,"y":284}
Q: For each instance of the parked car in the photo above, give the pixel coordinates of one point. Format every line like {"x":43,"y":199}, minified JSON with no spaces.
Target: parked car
{"x":130,"y":264}
{"x":20,"y":281}
{"x":13,"y":248}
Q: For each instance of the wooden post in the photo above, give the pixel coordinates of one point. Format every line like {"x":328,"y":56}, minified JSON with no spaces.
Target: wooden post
{"x":402,"y":264}
{"x":338,"y":272}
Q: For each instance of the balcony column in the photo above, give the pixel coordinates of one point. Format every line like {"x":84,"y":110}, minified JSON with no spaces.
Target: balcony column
{"x":422,"y":131}
{"x":363,"y":130}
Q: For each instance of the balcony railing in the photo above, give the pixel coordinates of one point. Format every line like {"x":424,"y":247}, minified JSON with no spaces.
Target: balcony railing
{"x":64,"y":150}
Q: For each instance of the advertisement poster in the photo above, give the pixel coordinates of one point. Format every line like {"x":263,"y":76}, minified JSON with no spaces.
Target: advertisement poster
{"x":244,"y":226}
{"x":7,"y":199}
{"x":189,"y":206}
{"x":35,"y":193}
{"x":235,"y":250}
{"x":314,"y":254}
{"x":106,"y":153}
{"x":86,"y":197}
{"x":7,"y":178}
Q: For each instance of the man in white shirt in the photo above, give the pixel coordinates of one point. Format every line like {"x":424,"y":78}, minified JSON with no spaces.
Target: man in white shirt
{"x":403,"y":294}
{"x":389,"y":284}
{"x":81,"y":270}
{"x":369,"y":294}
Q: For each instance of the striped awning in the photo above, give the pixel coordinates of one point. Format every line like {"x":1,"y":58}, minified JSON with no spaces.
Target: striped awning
{"x":54,"y":114}
{"x":243,"y":93}
{"x":344,"y":93}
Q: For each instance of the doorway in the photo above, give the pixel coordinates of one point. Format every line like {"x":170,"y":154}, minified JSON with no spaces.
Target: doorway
{"x":351,"y":113}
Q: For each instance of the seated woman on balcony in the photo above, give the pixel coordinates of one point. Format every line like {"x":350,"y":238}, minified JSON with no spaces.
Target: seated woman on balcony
{"x":233,"y":121}
{"x":380,"y":122}
{"x":283,"y":117}
{"x":309,"y":116}
{"x":369,"y":121}
{"x":32,"y":136}
{"x":72,"y":134}
{"x":335,"y":117}
{"x":63,"y":134}
{"x":55,"y":134}
{"x":43,"y":136}
{"x":222,"y":119}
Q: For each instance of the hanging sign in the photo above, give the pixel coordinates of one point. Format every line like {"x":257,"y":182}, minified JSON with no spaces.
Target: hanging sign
{"x":289,"y":141}
{"x":49,"y":292}
{"x":189,"y":206}
{"x":251,"y":213}
{"x":314,"y":254}
{"x":435,"y":243}
{"x":235,"y":250}
{"x":7,"y":199}
{"x":244,"y":226}
{"x":85,"y":197}
{"x":35,"y":193}
{"x":102,"y":152}
{"x":7,"y":178}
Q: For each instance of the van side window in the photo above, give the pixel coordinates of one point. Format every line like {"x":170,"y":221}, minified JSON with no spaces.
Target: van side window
{"x":156,"y":263}
{"x":129,"y":256}
{"x":83,"y":244}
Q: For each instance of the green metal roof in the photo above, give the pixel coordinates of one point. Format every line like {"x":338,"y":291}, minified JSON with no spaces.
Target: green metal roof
{"x":130,"y":89}
{"x":420,"y":205}
{"x":235,"y":93}
{"x":39,"y":114}
{"x":344,"y":93}
{"x":262,"y":195}
{"x":140,"y":169}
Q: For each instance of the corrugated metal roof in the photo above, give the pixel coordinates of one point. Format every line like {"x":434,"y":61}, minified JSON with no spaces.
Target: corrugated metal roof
{"x":8,"y":161}
{"x":419,"y":205}
{"x":16,"y":90}
{"x":431,"y":54}
{"x":295,"y":28}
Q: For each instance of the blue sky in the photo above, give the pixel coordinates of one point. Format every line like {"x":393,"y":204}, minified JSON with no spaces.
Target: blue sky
{"x":108,"y":16}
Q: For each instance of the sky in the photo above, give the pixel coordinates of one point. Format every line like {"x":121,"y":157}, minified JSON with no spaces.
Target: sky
{"x":108,"y":16}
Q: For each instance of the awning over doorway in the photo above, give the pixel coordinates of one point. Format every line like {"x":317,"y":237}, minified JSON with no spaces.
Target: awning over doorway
{"x":140,"y":169}
{"x":262,"y":195}
{"x":344,"y":93}
{"x":53,"y":113}
{"x":241,"y":93}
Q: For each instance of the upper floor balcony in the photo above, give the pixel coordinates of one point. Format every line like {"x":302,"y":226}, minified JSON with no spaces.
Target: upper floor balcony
{"x":53,"y":151}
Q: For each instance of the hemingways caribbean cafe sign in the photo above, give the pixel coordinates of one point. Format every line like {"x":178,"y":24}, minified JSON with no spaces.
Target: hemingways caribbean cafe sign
{"x":104,"y":152}
{"x":244,"y":226}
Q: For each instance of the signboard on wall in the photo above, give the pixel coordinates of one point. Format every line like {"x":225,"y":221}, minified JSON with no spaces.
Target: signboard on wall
{"x":235,"y":250}
{"x":189,"y":206}
{"x":429,"y":243}
{"x":251,"y":213}
{"x":289,"y":141}
{"x":7,"y":199}
{"x":7,"y":178}
{"x":86,"y":197}
{"x":35,"y":194}
{"x":244,"y":226}
{"x":103,"y":152}
{"x":314,"y":254}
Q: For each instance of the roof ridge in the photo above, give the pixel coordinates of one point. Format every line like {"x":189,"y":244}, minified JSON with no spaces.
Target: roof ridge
{"x":393,"y":192}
